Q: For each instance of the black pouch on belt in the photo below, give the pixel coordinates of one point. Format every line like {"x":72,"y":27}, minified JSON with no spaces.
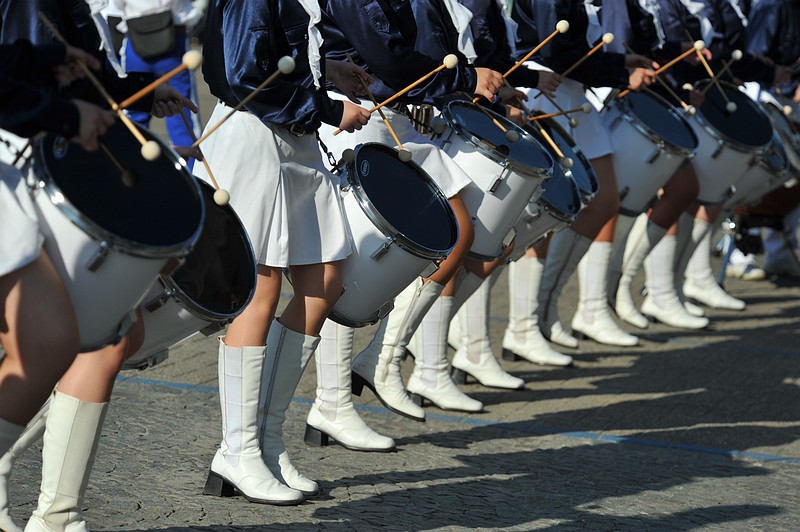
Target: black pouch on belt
{"x":152,"y":36}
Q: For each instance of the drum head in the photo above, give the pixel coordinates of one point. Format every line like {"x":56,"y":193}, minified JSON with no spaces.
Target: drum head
{"x":660,"y":119}
{"x":219,"y":274}
{"x":561,"y":194}
{"x":162,"y":208}
{"x":748,"y":127}
{"x":472,"y":123}
{"x":582,"y":173}
{"x":402,"y":198}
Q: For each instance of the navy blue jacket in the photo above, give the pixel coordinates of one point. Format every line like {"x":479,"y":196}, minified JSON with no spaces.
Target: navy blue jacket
{"x":398,"y":42}
{"x":774,"y":32}
{"x":491,"y":42}
{"x":244,"y":39}
{"x":29,"y":101}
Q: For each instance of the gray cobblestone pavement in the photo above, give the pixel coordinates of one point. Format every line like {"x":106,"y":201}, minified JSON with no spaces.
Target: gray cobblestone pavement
{"x":690,"y":430}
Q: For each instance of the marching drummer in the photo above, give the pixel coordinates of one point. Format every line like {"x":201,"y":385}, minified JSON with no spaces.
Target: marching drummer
{"x":268,"y":159}
{"x":395,"y":46}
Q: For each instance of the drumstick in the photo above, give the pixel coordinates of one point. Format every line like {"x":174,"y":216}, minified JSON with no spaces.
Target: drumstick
{"x":191,"y":60}
{"x":573,"y":122}
{"x":729,"y":105}
{"x":128,"y":177}
{"x":585,"y":108}
{"x":690,"y":110}
{"x":449,"y":62}
{"x":21,"y":153}
{"x":348,"y":155}
{"x":404,"y":154}
{"x":221,"y":196}
{"x":285,"y":66}
{"x":607,"y":38}
{"x":736,"y":55}
{"x":698,"y":46}
{"x":150,"y":148}
{"x":511,"y":135}
{"x":561,"y":27}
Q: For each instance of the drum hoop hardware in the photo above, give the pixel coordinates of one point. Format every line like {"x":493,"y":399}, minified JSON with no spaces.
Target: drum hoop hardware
{"x":173,"y":291}
{"x":99,"y":256}
{"x":650,"y":134}
{"x":656,"y":153}
{"x":355,"y":324}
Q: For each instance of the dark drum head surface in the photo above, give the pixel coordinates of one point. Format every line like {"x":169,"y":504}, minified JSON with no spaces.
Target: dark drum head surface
{"x":472,"y":121}
{"x":561,"y":192}
{"x":583,"y":176}
{"x":662,"y":119}
{"x":406,"y":197}
{"x":748,"y":126}
{"x":219,"y":273}
{"x":163,"y":208}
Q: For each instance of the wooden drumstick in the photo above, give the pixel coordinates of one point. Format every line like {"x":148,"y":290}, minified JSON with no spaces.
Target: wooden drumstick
{"x":561,"y":27}
{"x":511,"y":135}
{"x":690,"y":110}
{"x":585,"y":108}
{"x":191,"y":60}
{"x":449,"y":62}
{"x":698,"y":46}
{"x":404,"y":154}
{"x":128,"y":177}
{"x":21,"y":153}
{"x":736,"y":55}
{"x":150,"y":149}
{"x":285,"y":66}
{"x":607,"y":38}
{"x":573,"y":123}
{"x":729,"y":105}
{"x":221,"y":196}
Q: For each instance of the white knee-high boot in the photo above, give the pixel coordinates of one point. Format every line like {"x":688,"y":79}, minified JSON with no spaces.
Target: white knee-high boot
{"x":592,"y":318}
{"x":287,"y":355}
{"x":333,"y":415}
{"x":431,"y":376}
{"x":523,"y":338}
{"x":238,"y":466}
{"x":378,"y":366}
{"x":565,"y":252}
{"x":474,"y":355}
{"x":34,"y":430}
{"x":662,"y":301}
{"x":627,"y":261}
{"x":9,"y":434}
{"x":700,"y":283}
{"x":690,"y":232}
{"x":71,"y":436}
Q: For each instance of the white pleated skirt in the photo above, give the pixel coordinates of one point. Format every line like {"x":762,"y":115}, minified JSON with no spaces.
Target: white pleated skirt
{"x":286,"y":199}
{"x":20,"y":239}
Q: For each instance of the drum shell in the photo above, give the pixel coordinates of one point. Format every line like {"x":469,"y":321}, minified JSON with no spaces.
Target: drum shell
{"x":760,"y":179}
{"x":643,"y":164}
{"x":496,"y":197}
{"x":372,"y":283}
{"x":719,"y":165}
{"x":103,"y":299}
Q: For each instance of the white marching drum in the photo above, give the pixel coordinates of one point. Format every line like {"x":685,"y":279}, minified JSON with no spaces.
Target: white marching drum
{"x":653,"y":141}
{"x":506,"y":171}
{"x":402,"y":227}
{"x":112,"y":222}
{"x":729,"y":142}
{"x":214,"y":285}
{"x":769,"y":171}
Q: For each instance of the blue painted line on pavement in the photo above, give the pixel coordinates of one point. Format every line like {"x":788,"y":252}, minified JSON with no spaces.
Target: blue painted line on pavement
{"x":524,"y":427}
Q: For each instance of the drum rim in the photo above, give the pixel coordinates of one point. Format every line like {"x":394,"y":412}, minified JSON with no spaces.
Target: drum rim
{"x":557,"y":213}
{"x":587,"y":195}
{"x":778,"y":142}
{"x":45,"y":182}
{"x":373,"y":214}
{"x":650,"y":134}
{"x":712,"y":131}
{"x":192,"y":306}
{"x":521,"y":168}
{"x":794,"y":138}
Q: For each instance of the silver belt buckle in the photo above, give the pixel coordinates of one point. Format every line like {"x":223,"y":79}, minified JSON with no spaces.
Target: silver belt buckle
{"x":296,"y":130}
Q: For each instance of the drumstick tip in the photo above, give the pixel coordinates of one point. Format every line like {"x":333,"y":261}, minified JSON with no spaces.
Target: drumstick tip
{"x":286,"y":64}
{"x":573,"y":123}
{"x":608,"y":38}
{"x":699,"y":45}
{"x":687,"y":86}
{"x":787,"y":110}
{"x":450,"y":61}
{"x":562,"y":26}
{"x":404,"y":155}
{"x":737,"y":55}
{"x":221,"y":197}
{"x":691,"y":110}
{"x":348,"y":155}
{"x":512,"y":135}
{"x":438,"y":125}
{"x":730,"y":107}
{"x":192,"y":59}
{"x":587,"y":108}
{"x":151,"y":150}
{"x":567,"y":162}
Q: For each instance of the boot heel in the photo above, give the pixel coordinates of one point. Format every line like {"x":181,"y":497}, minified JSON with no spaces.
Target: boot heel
{"x":316,"y":437}
{"x":218,"y":486}
{"x":510,"y":356}
{"x":357,"y":383}
{"x":418,"y":399}
{"x":459,"y":376}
